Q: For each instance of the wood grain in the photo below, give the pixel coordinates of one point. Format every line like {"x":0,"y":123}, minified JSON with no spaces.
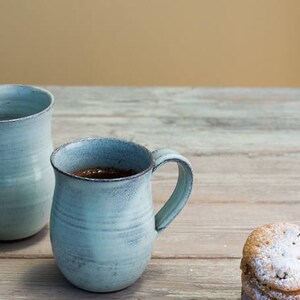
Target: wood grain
{"x":199,"y":121}
{"x":164,"y":278}
{"x":236,"y":178}
{"x":202,"y":230}
{"x":182,"y":102}
{"x":185,"y":135}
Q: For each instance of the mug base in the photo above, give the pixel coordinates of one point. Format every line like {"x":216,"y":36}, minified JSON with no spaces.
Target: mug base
{"x":102,"y":291}
{"x":19,"y":239}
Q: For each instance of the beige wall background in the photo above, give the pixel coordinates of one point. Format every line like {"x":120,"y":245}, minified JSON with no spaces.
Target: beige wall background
{"x":150,"y":42}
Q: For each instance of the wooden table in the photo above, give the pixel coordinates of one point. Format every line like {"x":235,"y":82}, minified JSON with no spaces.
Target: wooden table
{"x":244,"y":145}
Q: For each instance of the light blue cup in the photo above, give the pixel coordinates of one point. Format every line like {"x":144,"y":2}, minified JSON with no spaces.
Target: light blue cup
{"x":26,"y":176}
{"x":102,"y":230}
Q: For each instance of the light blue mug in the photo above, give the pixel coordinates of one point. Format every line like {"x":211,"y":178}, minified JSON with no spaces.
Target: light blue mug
{"x":26,"y":176}
{"x":102,"y":230}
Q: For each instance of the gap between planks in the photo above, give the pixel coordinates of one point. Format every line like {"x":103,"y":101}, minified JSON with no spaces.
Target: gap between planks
{"x":189,"y":257}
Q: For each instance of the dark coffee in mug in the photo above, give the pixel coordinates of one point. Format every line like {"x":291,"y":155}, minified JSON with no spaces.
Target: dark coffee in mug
{"x":104,"y":173}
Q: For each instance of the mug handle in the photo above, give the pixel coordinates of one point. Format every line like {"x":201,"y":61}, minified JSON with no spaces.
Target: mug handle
{"x":182,"y":190}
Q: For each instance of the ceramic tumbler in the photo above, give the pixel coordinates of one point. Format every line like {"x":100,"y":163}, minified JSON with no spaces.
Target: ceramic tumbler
{"x":102,"y":230}
{"x":26,"y":176}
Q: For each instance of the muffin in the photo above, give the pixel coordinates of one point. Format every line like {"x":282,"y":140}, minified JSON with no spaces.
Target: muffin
{"x":271,"y":263}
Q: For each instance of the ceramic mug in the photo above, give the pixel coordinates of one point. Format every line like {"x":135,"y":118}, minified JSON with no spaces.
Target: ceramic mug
{"x":26,"y":176}
{"x":102,"y":230}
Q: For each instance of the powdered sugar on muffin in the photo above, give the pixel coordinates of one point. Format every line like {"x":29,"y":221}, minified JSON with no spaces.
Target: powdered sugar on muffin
{"x":261,"y":289}
{"x":272,"y":254}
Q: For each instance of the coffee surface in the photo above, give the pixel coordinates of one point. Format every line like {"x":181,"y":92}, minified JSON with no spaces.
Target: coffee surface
{"x":104,"y":173}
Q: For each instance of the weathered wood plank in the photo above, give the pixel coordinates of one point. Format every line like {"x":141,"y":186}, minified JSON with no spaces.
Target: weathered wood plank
{"x":202,"y":230}
{"x":182,"y":279}
{"x":202,"y":121}
{"x":208,"y":103}
{"x":236,"y":178}
{"x":185,"y":135}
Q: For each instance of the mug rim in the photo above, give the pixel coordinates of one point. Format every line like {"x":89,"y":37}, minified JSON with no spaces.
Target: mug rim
{"x":51,"y":97}
{"x":146,"y":170}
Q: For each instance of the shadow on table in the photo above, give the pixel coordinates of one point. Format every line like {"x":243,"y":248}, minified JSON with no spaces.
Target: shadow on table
{"x":42,"y":279}
{"x":11,"y":246}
